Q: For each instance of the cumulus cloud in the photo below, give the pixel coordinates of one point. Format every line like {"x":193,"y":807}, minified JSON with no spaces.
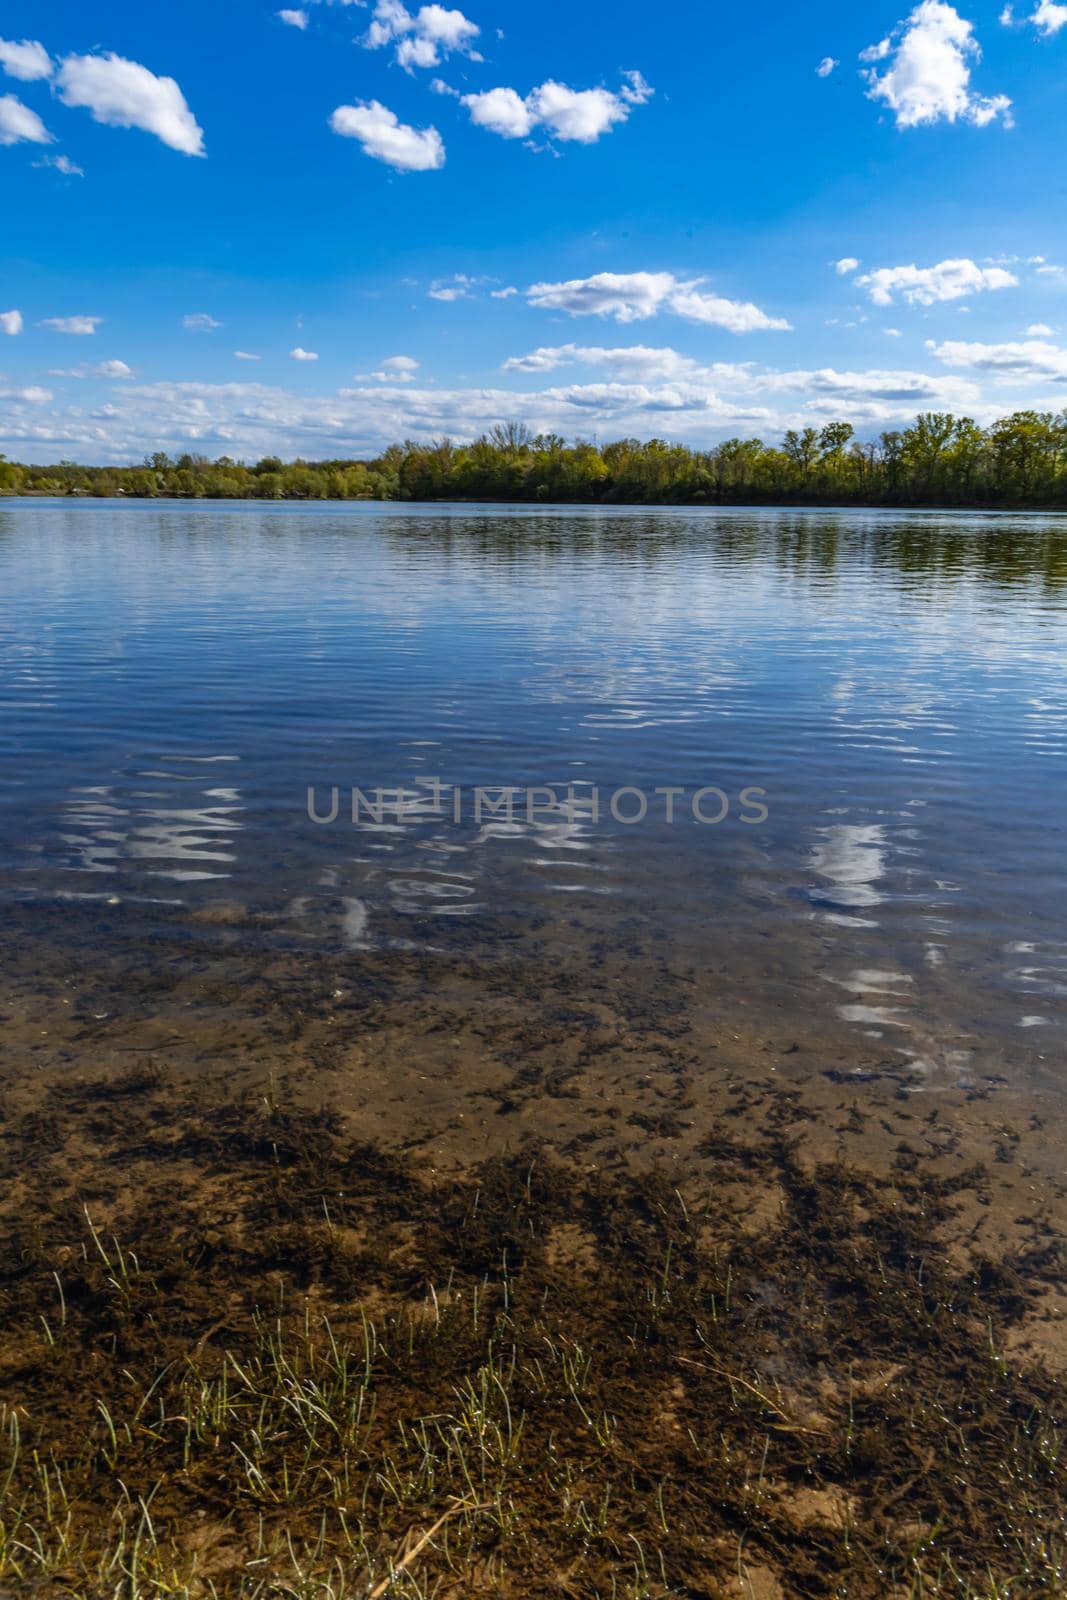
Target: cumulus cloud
{"x":826,"y":66}
{"x":424,"y":39}
{"x":27,"y":60}
{"x":736,"y":316}
{"x":300,"y":354}
{"x":11,"y":323}
{"x":19,"y":124}
{"x":383,"y":136}
{"x":113,"y":369}
{"x":846,"y":264}
{"x":925,"y":286}
{"x":503,"y":294}
{"x":1048,"y":18}
{"x":1038,"y":330}
{"x":81,"y":326}
{"x":579,"y":116}
{"x":33,"y":395}
{"x":294,"y":19}
{"x":929,"y":78}
{"x":1024,"y":361}
{"x":502,"y":111}
{"x":636,"y":296}
{"x":395,"y":369}
{"x":124,"y":94}
{"x":200,"y":322}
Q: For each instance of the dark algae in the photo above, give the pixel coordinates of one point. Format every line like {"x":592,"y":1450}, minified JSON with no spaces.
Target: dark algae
{"x":245,"y":1352}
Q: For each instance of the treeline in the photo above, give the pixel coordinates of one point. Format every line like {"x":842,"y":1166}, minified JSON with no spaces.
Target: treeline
{"x":939,"y":460}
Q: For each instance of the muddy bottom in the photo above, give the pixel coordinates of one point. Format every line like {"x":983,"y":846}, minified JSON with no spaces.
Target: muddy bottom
{"x":397,"y":1280}
{"x":244,"y":1352}
{"x":424,"y":1276}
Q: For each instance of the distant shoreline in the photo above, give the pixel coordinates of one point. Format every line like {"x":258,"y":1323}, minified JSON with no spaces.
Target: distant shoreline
{"x":939,"y":462}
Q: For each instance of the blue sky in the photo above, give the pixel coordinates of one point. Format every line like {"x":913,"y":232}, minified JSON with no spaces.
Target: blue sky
{"x":597,"y":219}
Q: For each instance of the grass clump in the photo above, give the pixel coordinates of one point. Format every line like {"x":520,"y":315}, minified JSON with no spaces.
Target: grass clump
{"x":241,"y":1355}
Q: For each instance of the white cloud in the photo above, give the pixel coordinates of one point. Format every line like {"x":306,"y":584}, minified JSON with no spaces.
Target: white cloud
{"x":62,"y":164}
{"x":124,"y":94}
{"x":395,"y":369}
{"x":924,"y":286}
{"x":81,"y":326}
{"x":1048,"y":19}
{"x":303,"y":355}
{"x":253,"y":420}
{"x":545,"y":359}
{"x":636,"y":88}
{"x":579,"y":116}
{"x":874,"y":393}
{"x":294,"y":19}
{"x":200,"y":322}
{"x":113,"y":369}
{"x":643,"y":363}
{"x":1039,"y":330}
{"x":929,"y":79}
{"x":246,"y":355}
{"x":383,"y":136}
{"x":450,"y":29}
{"x":1023,"y":361}
{"x":826,"y":66}
{"x":18,"y":123}
{"x":503,"y":294}
{"x":736,"y":316}
{"x":458,"y":287}
{"x":636,"y":296}
{"x":33,"y":395}
{"x":27,"y":60}
{"x":892,"y":333}
{"x":628,"y":297}
{"x":502,"y":111}
{"x":846,"y":264}
{"x":11,"y":323}
{"x":424,"y":39}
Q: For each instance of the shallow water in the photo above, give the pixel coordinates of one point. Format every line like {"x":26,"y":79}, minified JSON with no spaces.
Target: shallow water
{"x":174,"y":677}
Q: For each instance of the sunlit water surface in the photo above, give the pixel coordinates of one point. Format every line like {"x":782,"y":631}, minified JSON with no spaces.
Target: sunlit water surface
{"x":174,"y":678}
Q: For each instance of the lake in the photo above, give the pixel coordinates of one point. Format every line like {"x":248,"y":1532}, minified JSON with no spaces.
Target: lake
{"x":859,"y":870}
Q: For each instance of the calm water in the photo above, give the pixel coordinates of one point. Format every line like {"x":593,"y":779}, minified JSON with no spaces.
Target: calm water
{"x":174,"y":678}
